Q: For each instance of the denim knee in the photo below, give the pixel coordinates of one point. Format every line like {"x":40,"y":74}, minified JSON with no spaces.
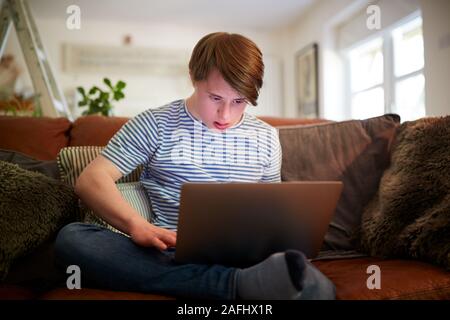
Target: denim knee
{"x":70,"y":240}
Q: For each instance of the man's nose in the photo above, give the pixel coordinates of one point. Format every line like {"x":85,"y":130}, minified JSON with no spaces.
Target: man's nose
{"x":224,"y":111}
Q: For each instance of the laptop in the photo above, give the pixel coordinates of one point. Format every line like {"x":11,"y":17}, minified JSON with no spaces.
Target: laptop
{"x":241,"y":224}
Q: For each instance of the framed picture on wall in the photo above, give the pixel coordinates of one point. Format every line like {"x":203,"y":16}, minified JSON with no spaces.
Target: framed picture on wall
{"x":307,"y":81}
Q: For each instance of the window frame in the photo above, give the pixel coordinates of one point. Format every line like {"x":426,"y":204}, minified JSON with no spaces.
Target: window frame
{"x":389,"y":78}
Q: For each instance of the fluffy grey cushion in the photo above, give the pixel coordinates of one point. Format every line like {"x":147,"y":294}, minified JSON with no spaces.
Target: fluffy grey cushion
{"x":410,"y":215}
{"x":33,"y":207}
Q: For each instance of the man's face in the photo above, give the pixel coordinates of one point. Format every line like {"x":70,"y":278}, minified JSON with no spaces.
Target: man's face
{"x":216,"y":103}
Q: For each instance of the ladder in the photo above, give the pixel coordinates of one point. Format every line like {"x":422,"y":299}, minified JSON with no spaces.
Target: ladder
{"x":50,"y":99}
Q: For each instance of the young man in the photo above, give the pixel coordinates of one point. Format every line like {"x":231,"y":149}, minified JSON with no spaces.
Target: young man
{"x":201,"y":139}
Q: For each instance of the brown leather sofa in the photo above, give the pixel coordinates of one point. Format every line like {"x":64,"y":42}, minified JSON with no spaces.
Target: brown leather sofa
{"x":42,"y":138}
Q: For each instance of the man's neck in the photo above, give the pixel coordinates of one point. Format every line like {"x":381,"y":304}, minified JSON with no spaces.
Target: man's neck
{"x":190,"y":105}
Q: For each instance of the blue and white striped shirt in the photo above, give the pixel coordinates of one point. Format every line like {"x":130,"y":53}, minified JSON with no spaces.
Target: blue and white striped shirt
{"x":175,"y":148}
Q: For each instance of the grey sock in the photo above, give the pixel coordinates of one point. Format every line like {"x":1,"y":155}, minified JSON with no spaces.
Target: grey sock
{"x":284,"y":276}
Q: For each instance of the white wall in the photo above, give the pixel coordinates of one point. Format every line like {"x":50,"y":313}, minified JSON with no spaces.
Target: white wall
{"x":436,"y":32}
{"x":321,"y":24}
{"x":148,"y":91}
{"x":316,"y":25}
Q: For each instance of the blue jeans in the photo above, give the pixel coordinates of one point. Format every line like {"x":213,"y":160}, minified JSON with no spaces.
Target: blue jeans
{"x":113,"y":261}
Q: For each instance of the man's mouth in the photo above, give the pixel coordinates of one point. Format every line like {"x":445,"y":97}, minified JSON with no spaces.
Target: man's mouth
{"x":221,"y":126}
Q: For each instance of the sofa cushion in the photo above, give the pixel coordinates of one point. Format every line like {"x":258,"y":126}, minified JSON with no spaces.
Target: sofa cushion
{"x":36,"y":270}
{"x":16,"y":292}
{"x":355,"y":152}
{"x":278,"y":121}
{"x":72,"y":161}
{"x":97,"y":294}
{"x":95,"y":130}
{"x":40,"y":138}
{"x":98,"y":130}
{"x":135,"y":194}
{"x":33,"y":208}
{"x":400,"y":279}
{"x":410,"y":215}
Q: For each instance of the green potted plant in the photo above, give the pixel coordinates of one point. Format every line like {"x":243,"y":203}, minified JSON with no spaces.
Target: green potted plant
{"x":99,"y":101}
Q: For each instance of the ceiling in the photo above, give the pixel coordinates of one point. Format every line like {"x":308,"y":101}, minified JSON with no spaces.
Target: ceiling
{"x":260,"y":15}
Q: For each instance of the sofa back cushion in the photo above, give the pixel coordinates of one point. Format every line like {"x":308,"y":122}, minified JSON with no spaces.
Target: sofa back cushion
{"x":355,"y":152}
{"x":95,"y":130}
{"x":98,"y":130}
{"x":278,"y":121}
{"x":40,"y":138}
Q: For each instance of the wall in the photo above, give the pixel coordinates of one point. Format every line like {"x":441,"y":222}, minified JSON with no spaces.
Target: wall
{"x":316,"y":25}
{"x":144,"y":91}
{"x":436,"y":32}
{"x":321,"y":24}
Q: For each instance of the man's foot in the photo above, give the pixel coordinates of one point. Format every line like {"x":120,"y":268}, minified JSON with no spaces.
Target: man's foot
{"x":284,"y":276}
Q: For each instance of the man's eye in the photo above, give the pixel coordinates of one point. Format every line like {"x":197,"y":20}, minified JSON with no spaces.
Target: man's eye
{"x":239,"y":101}
{"x":215,"y":98}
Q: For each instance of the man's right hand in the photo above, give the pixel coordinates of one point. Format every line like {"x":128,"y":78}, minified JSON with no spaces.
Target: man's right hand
{"x":96,"y":187}
{"x":145,"y":234}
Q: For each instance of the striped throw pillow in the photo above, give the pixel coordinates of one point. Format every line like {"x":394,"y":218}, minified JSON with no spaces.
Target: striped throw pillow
{"x":72,"y":161}
{"x":135,"y":194}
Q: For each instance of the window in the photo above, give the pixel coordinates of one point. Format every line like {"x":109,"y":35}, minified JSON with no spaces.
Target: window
{"x":366,"y":76}
{"x":409,"y":80}
{"x":386,"y":73}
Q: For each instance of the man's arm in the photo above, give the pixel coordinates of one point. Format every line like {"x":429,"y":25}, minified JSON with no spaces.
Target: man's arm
{"x":272,"y":173}
{"x":97,"y":189}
